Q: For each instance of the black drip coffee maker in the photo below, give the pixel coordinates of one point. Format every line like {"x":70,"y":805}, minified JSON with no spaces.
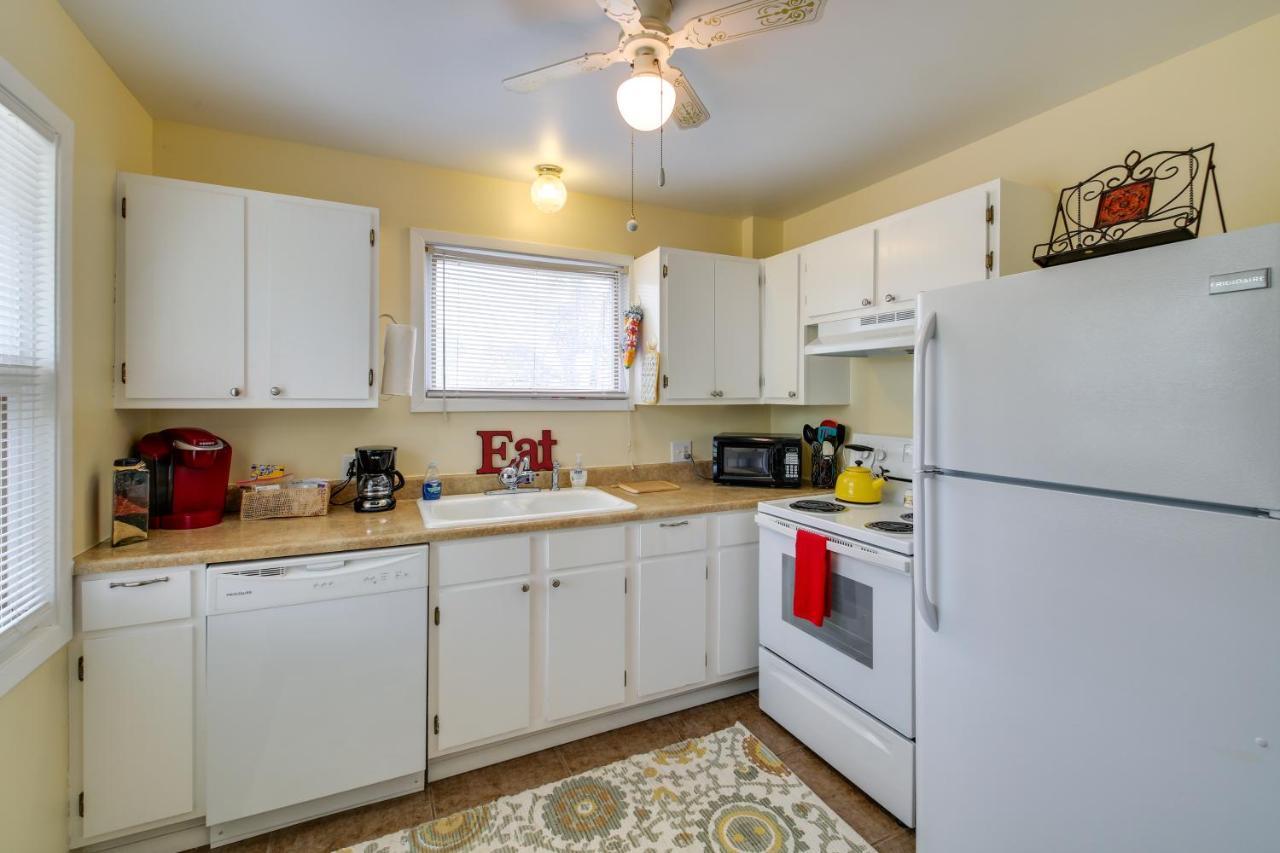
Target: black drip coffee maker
{"x":377,"y":479}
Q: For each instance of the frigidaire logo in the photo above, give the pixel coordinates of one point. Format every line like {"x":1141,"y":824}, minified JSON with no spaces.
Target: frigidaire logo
{"x":1246,"y":280}
{"x":240,"y":592}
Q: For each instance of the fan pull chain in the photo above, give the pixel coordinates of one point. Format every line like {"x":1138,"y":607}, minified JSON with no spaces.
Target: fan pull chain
{"x":633,"y":224}
{"x":662,"y":166}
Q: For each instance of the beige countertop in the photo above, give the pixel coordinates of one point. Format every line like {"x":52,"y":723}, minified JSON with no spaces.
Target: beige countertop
{"x":343,"y":529}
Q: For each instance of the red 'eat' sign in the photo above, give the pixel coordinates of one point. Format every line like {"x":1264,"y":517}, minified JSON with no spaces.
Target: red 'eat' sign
{"x":494,"y":452}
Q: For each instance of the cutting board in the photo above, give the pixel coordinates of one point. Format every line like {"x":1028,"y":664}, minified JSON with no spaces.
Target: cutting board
{"x":644,"y":487}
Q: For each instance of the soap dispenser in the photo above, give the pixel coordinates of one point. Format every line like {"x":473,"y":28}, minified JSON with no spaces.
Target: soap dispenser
{"x":578,"y":475}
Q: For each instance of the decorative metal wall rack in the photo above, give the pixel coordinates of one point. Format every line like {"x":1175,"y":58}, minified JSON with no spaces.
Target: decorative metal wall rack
{"x":1147,"y":200}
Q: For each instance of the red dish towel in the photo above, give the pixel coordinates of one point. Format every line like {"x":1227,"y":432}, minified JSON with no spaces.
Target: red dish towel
{"x":810,"y":600}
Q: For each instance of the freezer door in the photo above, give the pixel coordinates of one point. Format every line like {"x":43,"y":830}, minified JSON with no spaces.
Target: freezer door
{"x":1103,"y":676}
{"x":1120,"y":373}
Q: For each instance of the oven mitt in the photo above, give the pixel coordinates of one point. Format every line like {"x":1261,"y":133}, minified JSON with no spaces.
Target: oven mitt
{"x":810,"y":600}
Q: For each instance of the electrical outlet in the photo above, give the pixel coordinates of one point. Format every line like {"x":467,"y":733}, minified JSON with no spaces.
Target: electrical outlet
{"x":682,"y":451}
{"x":347,"y":459}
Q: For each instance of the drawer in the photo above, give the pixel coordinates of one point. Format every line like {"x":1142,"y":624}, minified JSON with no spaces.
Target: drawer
{"x":135,"y":598}
{"x":592,"y":546}
{"x":673,"y":536}
{"x":736,"y":528}
{"x":486,"y":559}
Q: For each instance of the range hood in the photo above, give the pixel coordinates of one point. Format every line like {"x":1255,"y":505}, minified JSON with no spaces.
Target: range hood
{"x":885,"y":333}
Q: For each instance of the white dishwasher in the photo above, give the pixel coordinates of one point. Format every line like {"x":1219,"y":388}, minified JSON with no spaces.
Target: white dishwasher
{"x":317,"y":686}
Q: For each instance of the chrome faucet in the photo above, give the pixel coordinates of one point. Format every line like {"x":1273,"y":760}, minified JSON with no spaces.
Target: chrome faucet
{"x":555,"y":475}
{"x":518,"y":473}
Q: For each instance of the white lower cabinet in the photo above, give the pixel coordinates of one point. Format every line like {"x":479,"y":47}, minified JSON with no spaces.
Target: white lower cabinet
{"x":735,"y":590}
{"x":671,"y":625}
{"x":139,"y":732}
{"x":586,"y":654}
{"x":481,"y":661}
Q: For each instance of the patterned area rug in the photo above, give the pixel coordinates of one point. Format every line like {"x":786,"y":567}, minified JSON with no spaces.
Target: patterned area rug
{"x":726,"y":791}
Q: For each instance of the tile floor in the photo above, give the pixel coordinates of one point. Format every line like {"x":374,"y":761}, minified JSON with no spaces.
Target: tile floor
{"x":450,"y":795}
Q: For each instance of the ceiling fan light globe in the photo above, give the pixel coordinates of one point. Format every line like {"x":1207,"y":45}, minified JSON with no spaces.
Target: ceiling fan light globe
{"x":646,"y":101}
{"x":548,"y":191}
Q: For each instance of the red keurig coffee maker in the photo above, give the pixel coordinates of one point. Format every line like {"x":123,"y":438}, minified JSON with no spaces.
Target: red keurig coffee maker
{"x":189,"y":471}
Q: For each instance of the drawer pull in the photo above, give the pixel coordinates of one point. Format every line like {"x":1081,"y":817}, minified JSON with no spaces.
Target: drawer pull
{"x":555,"y":584}
{"x":524,"y":587}
{"x":132,"y":584}
{"x":684,"y":523}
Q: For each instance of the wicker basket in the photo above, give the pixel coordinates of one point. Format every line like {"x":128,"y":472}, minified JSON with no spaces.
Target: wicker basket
{"x":283,"y":503}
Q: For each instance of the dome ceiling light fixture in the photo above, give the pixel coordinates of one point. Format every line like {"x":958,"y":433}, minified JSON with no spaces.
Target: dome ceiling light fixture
{"x":548,"y":191}
{"x":647,"y":42}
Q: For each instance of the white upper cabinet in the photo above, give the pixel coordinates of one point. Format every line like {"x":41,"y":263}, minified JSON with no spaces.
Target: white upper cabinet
{"x":181,"y":288}
{"x":936,"y":244}
{"x":788,"y":377}
{"x":839,"y":273}
{"x":231,"y":298}
{"x":702,"y":311}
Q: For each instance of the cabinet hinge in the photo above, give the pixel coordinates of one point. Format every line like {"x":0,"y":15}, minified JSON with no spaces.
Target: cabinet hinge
{"x":991,"y":214}
{"x":435,"y":616}
{"x":124,"y":207}
{"x":370,"y":236}
{"x":624,"y":586}
{"x":124,"y":372}
{"x":664,"y":380}
{"x":624,"y":678}
{"x":991,"y":261}
{"x":80,"y":672}
{"x":370,"y":377}
{"x":80,"y":804}
{"x":664,"y":270}
{"x":706,"y":659}
{"x":435,"y":724}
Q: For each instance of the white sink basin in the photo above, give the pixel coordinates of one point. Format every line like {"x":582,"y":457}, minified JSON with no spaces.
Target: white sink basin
{"x":464,"y":510}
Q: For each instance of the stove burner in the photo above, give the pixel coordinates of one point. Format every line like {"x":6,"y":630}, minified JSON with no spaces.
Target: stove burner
{"x":908,"y":516}
{"x":891,"y":526}
{"x":816,"y":506}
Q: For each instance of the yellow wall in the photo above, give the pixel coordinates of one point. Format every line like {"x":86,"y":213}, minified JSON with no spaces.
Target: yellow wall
{"x":112,"y":132}
{"x":412,"y":195}
{"x":1223,"y":92}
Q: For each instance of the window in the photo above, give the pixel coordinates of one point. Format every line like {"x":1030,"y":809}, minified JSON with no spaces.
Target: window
{"x":519,"y":328}
{"x":35,"y":139}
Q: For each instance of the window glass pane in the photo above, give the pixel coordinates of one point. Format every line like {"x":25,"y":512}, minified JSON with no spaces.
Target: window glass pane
{"x":516,"y":325}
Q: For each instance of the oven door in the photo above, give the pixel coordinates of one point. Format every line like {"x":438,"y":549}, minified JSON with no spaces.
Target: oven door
{"x":863,"y":651}
{"x":748,"y":463}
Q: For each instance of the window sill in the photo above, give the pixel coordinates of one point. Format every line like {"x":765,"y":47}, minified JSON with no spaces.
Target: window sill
{"x":30,"y":653}
{"x":508,"y":404}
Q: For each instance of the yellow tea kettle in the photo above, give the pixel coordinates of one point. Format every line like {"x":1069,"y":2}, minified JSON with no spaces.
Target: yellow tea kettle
{"x":857,"y":485}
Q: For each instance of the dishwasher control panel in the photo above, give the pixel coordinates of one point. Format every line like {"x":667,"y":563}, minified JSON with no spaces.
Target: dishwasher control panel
{"x":235,"y":587}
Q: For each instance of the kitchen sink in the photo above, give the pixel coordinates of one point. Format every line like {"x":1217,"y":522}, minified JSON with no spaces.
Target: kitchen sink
{"x":464,"y":510}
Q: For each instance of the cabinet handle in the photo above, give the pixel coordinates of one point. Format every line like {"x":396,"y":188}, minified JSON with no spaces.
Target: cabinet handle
{"x":276,"y":391}
{"x":865,"y":302}
{"x":889,"y":297}
{"x":555,"y":584}
{"x":134,"y":584}
{"x":524,"y":587}
{"x":791,"y":394}
{"x":234,"y":392}
{"x":684,"y":523}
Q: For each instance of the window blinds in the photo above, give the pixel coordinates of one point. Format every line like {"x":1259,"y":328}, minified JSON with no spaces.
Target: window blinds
{"x":28,"y":386}
{"x":509,"y":325}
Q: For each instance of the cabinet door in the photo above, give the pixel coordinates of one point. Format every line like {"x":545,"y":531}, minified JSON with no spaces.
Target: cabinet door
{"x":737,"y":329}
{"x":318,"y":276}
{"x":482,"y":661}
{"x":139,"y":727}
{"x":838,"y":274}
{"x":934,"y":245}
{"x":780,"y":329}
{"x":736,"y":608}
{"x":183,"y":291}
{"x":672,"y":625}
{"x":688,"y":364}
{"x":586,"y":640}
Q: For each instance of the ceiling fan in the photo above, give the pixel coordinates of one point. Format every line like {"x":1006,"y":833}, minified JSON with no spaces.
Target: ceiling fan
{"x":656,"y":90}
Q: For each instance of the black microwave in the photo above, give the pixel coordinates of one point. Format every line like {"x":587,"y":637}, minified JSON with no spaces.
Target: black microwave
{"x":756,"y":460}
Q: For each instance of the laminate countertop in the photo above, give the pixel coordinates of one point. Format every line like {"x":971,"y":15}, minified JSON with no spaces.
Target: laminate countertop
{"x":343,"y":529}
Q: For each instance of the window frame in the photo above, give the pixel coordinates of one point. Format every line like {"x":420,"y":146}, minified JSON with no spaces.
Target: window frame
{"x":419,"y":239}
{"x":27,"y":653}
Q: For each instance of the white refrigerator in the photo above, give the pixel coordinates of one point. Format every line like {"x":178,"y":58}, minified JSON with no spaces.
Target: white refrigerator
{"x":1097,"y":555}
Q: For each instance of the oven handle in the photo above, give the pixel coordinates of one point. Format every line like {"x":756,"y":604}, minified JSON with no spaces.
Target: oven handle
{"x":924,"y":604}
{"x":844,"y":547}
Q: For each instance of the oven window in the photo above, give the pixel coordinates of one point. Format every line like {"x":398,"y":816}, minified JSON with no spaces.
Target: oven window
{"x":745,"y":462}
{"x":848,"y":628}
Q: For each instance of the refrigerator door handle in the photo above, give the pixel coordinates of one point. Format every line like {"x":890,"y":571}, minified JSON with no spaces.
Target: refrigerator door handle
{"x":925,"y":605}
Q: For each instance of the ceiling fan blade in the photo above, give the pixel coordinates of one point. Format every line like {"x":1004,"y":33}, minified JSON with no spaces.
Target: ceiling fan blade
{"x":625,"y":12}
{"x":690,"y":112}
{"x":539,"y":77}
{"x":745,"y":19}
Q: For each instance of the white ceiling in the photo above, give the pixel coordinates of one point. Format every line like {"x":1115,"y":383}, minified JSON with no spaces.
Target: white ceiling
{"x":799,"y":116}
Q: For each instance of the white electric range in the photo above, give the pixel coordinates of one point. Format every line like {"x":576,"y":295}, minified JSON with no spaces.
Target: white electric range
{"x":846,"y":688}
